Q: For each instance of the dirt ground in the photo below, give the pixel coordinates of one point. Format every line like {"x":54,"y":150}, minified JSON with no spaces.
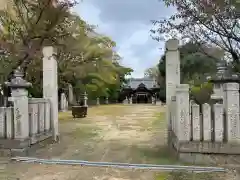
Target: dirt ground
{"x":114,"y":133}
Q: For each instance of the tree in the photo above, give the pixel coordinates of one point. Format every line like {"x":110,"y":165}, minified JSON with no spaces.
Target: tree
{"x":153,"y":72}
{"x":29,"y":25}
{"x":195,"y":66}
{"x":206,"y":22}
{"x":86,"y":60}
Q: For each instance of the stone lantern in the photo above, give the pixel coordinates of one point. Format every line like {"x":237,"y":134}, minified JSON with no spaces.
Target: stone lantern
{"x":222,"y":76}
{"x":19,"y":97}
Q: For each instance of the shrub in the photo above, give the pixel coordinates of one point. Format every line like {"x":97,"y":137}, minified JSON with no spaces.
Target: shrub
{"x":202,"y":93}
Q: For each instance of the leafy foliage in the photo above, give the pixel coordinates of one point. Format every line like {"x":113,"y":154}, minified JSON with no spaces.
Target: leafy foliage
{"x":201,"y":93}
{"x":210,"y":23}
{"x":153,"y":72}
{"x":86,"y":60}
{"x":195,"y":67}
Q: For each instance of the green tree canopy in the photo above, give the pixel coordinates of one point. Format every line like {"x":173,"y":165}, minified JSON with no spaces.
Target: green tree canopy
{"x":204,"y":22}
{"x":194,"y":64}
{"x":86,"y":60}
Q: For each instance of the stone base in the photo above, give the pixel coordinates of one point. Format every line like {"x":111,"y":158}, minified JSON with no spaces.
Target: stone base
{"x":194,"y":158}
{"x":200,"y":152}
{"x":12,"y":147}
{"x":204,"y":147}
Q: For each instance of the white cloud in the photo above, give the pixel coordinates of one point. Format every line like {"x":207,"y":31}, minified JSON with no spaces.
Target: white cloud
{"x":132,"y":34}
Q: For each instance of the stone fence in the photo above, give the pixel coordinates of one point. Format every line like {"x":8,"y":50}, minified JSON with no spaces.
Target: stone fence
{"x":30,"y":120}
{"x":38,"y":124}
{"x":214,"y":129}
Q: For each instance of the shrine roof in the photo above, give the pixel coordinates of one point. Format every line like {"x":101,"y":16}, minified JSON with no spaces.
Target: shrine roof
{"x":149,"y":83}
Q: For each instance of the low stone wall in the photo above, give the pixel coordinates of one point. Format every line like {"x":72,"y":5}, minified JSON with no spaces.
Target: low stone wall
{"x":38,"y":125}
{"x":215,"y":129}
{"x":30,"y":120}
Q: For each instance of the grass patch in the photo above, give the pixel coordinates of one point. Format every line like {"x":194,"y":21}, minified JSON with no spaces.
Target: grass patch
{"x":184,"y":176}
{"x":84,"y":132}
{"x":162,"y":176}
{"x":156,"y":155}
{"x":106,"y":110}
{"x":159,"y":121}
{"x":63,"y":116}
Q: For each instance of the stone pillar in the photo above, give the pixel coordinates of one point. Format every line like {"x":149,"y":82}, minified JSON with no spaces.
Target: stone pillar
{"x":207,"y":125}
{"x":153,"y":100}
{"x":85,"y":98}
{"x":98,"y":101}
{"x":172,"y":75}
{"x":182,"y":113}
{"x":19,"y":95}
{"x":106,"y":100}
{"x":63,"y":102}
{"x":218,"y":121}
{"x":70,"y":94}
{"x":66,"y":105}
{"x":196,"y":122}
{"x":217,"y":91}
{"x":130,"y":100}
{"x":125,"y":101}
{"x":50,"y":86}
{"x":231,"y":103}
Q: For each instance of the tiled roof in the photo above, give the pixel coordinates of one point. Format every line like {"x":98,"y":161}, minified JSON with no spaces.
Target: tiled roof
{"x":135,"y":82}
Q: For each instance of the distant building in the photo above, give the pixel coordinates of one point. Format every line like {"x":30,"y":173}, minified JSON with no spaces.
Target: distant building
{"x":141,"y":90}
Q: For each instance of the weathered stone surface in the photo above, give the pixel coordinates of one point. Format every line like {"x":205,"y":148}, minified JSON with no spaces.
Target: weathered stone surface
{"x":41,"y":117}
{"x":50,"y":85}
{"x":130,"y":100}
{"x":196,"y":122}
{"x":182,"y":112}
{"x":218,"y":121}
{"x":98,"y":101}
{"x":2,"y":122}
{"x":9,"y":124}
{"x":207,"y":126}
{"x":63,"y":103}
{"x":85,"y":98}
{"x":70,"y":94}
{"x":20,"y":100}
{"x":172,"y":73}
{"x":231,"y":103}
{"x":47,"y":121}
{"x":33,"y":111}
{"x":106,"y":100}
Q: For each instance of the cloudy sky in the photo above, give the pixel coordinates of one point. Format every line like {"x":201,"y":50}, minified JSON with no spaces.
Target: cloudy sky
{"x":128,"y":23}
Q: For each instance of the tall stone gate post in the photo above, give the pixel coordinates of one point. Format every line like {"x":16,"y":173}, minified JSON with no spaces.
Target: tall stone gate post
{"x":172,"y":76}
{"x":50,"y":86}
